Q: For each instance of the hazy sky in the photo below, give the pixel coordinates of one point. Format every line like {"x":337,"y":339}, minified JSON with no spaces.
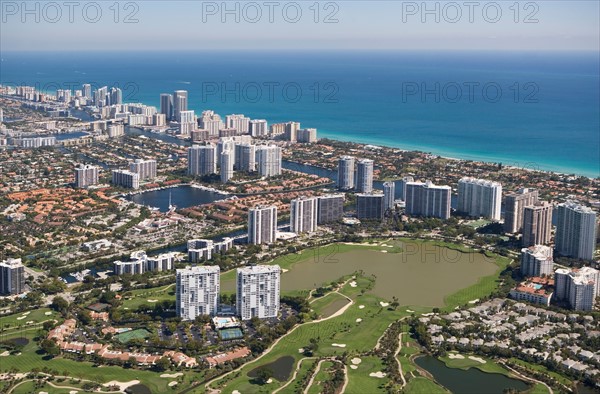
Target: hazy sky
{"x":196,"y":25}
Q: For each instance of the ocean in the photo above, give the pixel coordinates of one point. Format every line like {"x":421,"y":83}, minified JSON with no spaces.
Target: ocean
{"x":537,"y":110}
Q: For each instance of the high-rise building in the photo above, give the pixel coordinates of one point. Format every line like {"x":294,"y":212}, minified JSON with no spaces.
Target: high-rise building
{"x":139,"y":263}
{"x":579,"y":287}
{"x":291,"y":131}
{"x":202,"y":160}
{"x":331,"y":208}
{"x":166,"y":105}
{"x":115,"y":130}
{"x":87,"y":90}
{"x":146,"y":169}
{"x":576,"y":231}
{"x":238,"y":122}
{"x":227,"y":161}
{"x":364,"y":176}
{"x":115,"y":97}
{"x":479,"y":198}
{"x":212,"y":122}
{"x":86,"y":175}
{"x":245,"y":157}
{"x":197,"y":291}
{"x":12,"y":277}
{"x":370,"y":206}
{"x":258,"y":128}
{"x":537,"y":224}
{"x":100,"y":96}
{"x":258,"y":291}
{"x":346,"y":173}
{"x":389,"y":195}
{"x":180,"y":103}
{"x":200,"y":250}
{"x":307,"y":135}
{"x":268,"y":160}
{"x":403,"y":183}
{"x":303,"y":214}
{"x":537,"y":261}
{"x":262,"y":225}
{"x":427,"y":199}
{"x":126,"y":179}
{"x":225,"y":144}
{"x":514,"y":205}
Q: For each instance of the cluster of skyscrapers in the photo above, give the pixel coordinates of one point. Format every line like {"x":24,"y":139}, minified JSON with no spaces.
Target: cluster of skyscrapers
{"x":257,"y":291}
{"x":234,"y":154}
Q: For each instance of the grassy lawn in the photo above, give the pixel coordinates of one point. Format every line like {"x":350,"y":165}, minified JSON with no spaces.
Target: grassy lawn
{"x":540,"y":368}
{"x":422,"y":385}
{"x":321,"y":377}
{"x":328,"y":304}
{"x":141,"y":296}
{"x":490,"y":366}
{"x":538,"y":388}
{"x":483,"y":287}
{"x":359,"y":380}
{"x":26,"y":318}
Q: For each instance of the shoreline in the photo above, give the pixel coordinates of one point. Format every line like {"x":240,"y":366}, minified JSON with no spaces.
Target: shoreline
{"x":506,"y":163}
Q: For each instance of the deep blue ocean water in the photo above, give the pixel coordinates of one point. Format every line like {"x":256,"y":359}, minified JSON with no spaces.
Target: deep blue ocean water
{"x":534,"y":110}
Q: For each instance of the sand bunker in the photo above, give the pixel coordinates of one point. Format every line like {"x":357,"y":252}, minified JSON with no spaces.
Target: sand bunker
{"x":122,"y":385}
{"x":173,"y":383}
{"x":338,"y":344}
{"x":384,"y":304}
{"x":48,"y":313}
{"x":354,"y":366}
{"x":235,"y":392}
{"x":356,"y":361}
{"x":301,"y":350}
{"x":457,"y":356}
{"x":21,"y":317}
{"x":410,"y":311}
{"x":353,"y":284}
{"x":5,"y":354}
{"x":478,"y":359}
{"x":361,"y":307}
{"x":377,"y":374}
{"x":358,"y":320}
{"x":152,"y":301}
{"x":475,"y":301}
{"x":171,"y":375}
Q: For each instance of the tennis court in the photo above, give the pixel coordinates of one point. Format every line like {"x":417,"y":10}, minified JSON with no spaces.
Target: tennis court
{"x":230,"y":333}
{"x":135,"y":334}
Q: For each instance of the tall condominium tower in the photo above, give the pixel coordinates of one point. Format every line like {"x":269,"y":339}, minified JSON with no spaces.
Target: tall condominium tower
{"x":331,"y":208}
{"x":514,"y":205}
{"x":364,"y":176}
{"x":479,"y":197}
{"x":12,"y":277}
{"x":268,"y":160}
{"x":238,"y":122}
{"x":537,"y":261}
{"x":258,"y":128}
{"x":537,"y":224}
{"x":166,"y":105}
{"x":126,"y":179}
{"x":227,"y":162}
{"x":578,"y":286}
{"x":245,"y":157}
{"x":427,"y":199}
{"x":146,"y":169}
{"x":202,"y":160}
{"x":346,"y":173}
{"x":258,"y":291}
{"x":197,"y":291}
{"x":370,"y":206}
{"x":303,"y":214}
{"x":86,"y":175}
{"x":180,"y":103}
{"x":576,"y":231}
{"x":262,"y":225}
{"x":403,"y":183}
{"x":389,"y":195}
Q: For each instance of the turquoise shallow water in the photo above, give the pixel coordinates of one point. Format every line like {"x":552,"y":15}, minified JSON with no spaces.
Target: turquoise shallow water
{"x":533,"y":110}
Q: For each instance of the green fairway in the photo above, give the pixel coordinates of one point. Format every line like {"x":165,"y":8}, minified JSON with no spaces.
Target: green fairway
{"x":328,"y":304}
{"x":359,"y":380}
{"x":149,"y":297}
{"x":422,"y":385}
{"x":322,"y":376}
{"x":465,"y":363}
{"x":25,"y":319}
